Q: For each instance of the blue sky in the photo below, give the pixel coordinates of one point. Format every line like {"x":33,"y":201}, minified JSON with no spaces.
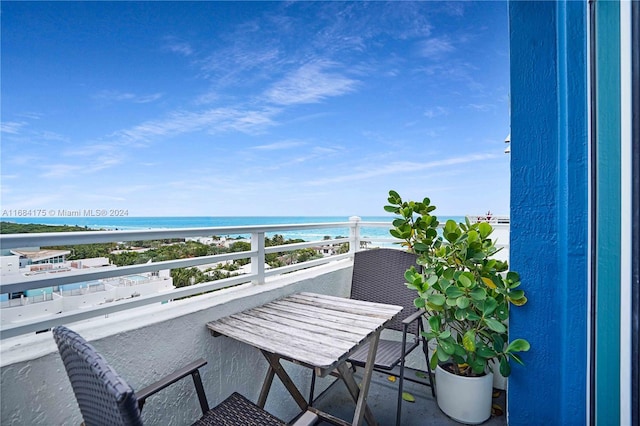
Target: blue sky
{"x":254,"y":108}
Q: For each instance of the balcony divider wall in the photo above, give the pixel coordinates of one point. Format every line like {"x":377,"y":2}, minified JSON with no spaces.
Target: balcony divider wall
{"x":549,"y":210}
{"x":574,"y":210}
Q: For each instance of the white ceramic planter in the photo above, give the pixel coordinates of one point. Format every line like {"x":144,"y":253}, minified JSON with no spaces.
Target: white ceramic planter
{"x":464,"y":399}
{"x":499,"y":381}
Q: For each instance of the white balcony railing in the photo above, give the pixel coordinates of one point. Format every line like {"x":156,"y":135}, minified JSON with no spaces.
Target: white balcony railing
{"x":15,"y":283}
{"x":143,"y":344}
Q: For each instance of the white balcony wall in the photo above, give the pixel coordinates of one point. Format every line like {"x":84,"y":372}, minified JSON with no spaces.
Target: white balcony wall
{"x":31,"y":310}
{"x":146,"y":343}
{"x":87,"y":299}
{"x":153,"y":286}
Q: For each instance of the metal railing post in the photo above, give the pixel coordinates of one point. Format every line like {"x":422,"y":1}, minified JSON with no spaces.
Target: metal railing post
{"x":257,"y":260}
{"x":354,"y":231}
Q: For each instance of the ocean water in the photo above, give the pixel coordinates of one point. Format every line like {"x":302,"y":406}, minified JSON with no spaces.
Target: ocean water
{"x":173,"y":222}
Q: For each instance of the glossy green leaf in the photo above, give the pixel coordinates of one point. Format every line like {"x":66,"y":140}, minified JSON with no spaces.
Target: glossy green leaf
{"x":489,"y":283}
{"x":485,"y":229}
{"x":453,"y":292}
{"x":478,"y":293}
{"x":516,"y":294}
{"x":434,"y":322}
{"x":460,"y":353}
{"x":448,"y":273}
{"x":419,"y":302}
{"x":485,"y":351}
{"x":442,"y":355}
{"x":398,"y":222}
{"x":450,"y":226}
{"x":498,"y":342}
{"x":505,"y":368}
{"x":395,"y":233}
{"x":489,"y":306}
{"x":472,"y":316}
{"x":478,"y":365}
{"x":462,"y":302}
{"x":432,"y":280}
{"x":451,"y":237}
{"x":447,"y":346}
{"x":436,"y":299}
{"x":518,"y":345}
{"x":469,"y":340}
{"x":502,"y":311}
{"x":495,"y":325}
{"x":519,"y":302}
{"x":434,"y":360}
{"x":513,"y":277}
{"x":464,"y":280}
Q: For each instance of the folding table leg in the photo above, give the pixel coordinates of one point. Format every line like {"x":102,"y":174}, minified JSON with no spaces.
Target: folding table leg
{"x":274,"y":362}
{"x":266,"y":387}
{"x":360,"y":394}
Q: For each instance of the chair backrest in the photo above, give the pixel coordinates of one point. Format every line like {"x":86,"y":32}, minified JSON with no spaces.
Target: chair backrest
{"x":378,"y":276}
{"x":104,"y":398}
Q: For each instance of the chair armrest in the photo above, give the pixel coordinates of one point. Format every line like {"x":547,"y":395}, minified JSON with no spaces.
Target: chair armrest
{"x":189,"y":369}
{"x":411,"y":318}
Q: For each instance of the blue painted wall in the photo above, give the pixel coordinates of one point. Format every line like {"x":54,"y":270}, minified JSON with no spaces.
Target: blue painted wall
{"x":549,"y":208}
{"x":608,"y":186}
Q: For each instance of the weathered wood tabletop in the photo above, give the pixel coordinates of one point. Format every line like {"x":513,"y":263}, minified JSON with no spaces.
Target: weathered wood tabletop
{"x":317,"y":330}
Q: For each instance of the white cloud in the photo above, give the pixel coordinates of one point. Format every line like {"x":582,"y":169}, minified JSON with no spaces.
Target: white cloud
{"x":89,"y":150}
{"x":311,"y":83}
{"x":481,"y":107}
{"x":435,"y":47}
{"x":436,"y":111}
{"x":212,"y":120}
{"x":11,"y":127}
{"x":242,"y":63}
{"x":279,"y":145}
{"x":23,"y":159}
{"x":117,"y":96}
{"x":96,"y":158}
{"x":399,"y":167}
{"x":177,"y":46}
{"x":60,"y":170}
{"x":207,"y":98}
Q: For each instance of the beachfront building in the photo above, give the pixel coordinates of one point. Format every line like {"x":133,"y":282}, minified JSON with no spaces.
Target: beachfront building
{"x":38,"y":303}
{"x":40,"y":259}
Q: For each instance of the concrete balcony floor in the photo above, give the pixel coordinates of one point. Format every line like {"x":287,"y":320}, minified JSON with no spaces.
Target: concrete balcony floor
{"x":382,"y":400}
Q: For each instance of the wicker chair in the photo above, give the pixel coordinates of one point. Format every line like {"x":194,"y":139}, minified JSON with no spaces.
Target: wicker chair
{"x":106,"y":399}
{"x":378,"y":276}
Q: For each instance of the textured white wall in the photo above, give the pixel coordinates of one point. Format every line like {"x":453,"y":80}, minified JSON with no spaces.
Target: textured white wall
{"x":36,"y":391}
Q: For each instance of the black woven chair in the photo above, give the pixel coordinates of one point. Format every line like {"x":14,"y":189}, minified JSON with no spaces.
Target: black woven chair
{"x":378,"y":276}
{"x":106,"y":399}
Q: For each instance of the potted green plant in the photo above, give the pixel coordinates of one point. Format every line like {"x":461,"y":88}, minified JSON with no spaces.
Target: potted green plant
{"x":466,"y":294}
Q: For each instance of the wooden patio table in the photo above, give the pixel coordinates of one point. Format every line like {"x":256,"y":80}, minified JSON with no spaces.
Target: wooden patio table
{"x":317,"y":331}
